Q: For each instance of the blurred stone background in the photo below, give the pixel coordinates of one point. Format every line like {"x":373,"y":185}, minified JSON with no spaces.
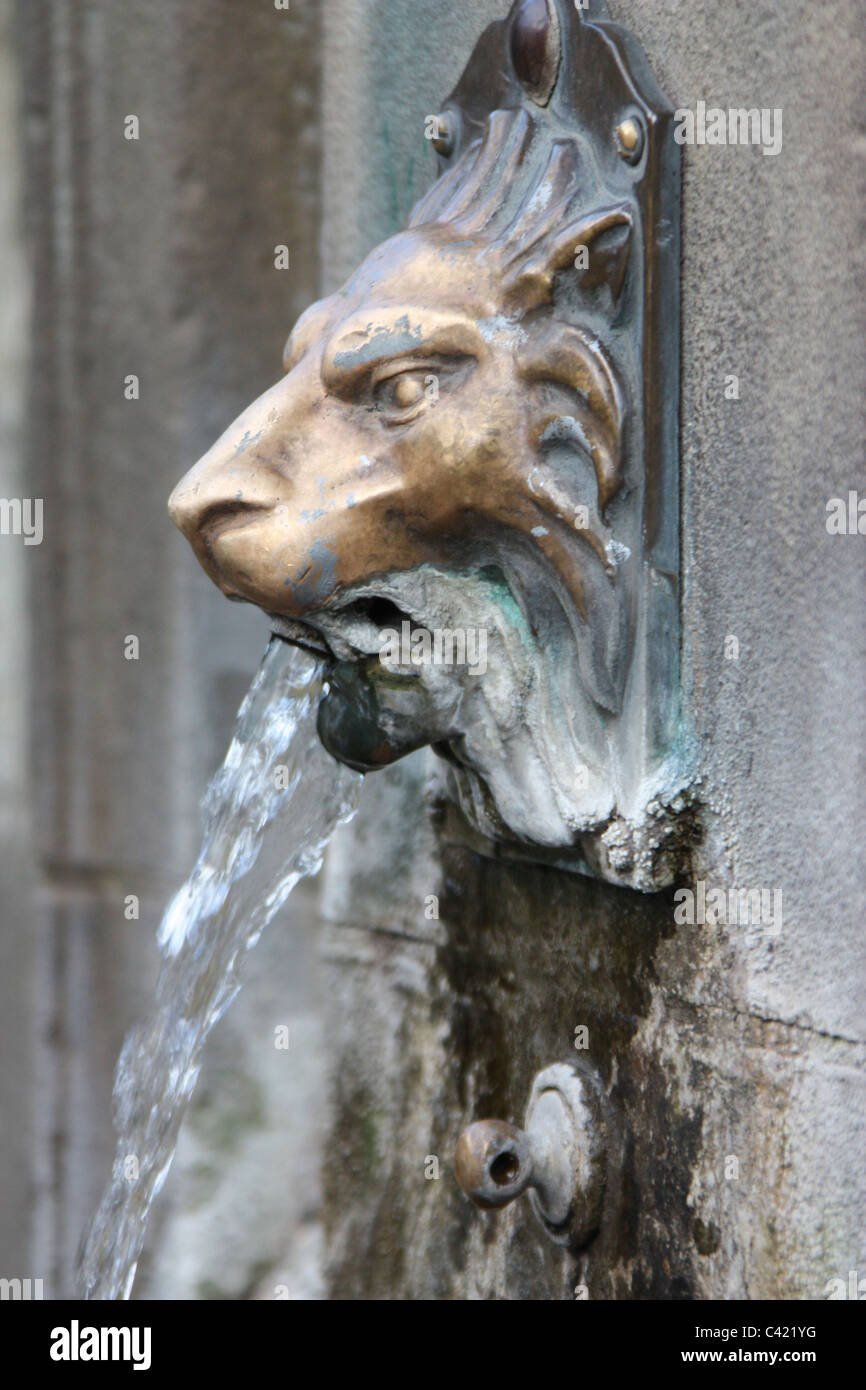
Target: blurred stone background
{"x":154,"y":257}
{"x":304,"y":127}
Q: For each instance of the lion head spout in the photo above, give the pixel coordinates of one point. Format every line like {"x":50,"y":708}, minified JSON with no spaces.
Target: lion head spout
{"x":445,"y":493}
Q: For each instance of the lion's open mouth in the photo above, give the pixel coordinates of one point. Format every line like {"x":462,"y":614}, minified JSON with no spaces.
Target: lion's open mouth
{"x":411,"y":657}
{"x":370,"y":715}
{"x":381,"y":702}
{"x":358,"y":629}
{"x":353,"y":632}
{"x":300,"y":634}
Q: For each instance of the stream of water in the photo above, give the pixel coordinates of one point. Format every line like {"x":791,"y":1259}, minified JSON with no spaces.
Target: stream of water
{"x":268,"y":816}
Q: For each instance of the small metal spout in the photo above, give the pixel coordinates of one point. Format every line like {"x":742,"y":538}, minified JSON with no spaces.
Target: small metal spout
{"x":559,"y":1156}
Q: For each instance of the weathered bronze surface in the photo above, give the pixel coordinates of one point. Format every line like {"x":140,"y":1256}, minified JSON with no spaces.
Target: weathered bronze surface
{"x":479,"y":433}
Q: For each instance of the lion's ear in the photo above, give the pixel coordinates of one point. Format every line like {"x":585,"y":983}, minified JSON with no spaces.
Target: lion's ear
{"x":596,"y":248}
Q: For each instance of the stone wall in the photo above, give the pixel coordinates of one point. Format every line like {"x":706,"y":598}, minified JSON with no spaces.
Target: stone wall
{"x":17,"y":953}
{"x":154,"y":257}
{"x":733,"y":1056}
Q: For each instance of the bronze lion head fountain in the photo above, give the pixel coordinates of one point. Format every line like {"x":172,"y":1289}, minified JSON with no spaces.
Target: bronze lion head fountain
{"x":473,"y":449}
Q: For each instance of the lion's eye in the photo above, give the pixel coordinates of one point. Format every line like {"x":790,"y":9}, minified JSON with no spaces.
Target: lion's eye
{"x":401,"y":395}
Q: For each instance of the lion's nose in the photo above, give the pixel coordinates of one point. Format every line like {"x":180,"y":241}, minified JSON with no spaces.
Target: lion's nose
{"x":204,"y":519}
{"x":219,"y":491}
{"x":204,"y":492}
{"x":236,"y":474}
{"x":184,"y":508}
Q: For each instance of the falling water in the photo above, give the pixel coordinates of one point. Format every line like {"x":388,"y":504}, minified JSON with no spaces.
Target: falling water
{"x":268,"y":816}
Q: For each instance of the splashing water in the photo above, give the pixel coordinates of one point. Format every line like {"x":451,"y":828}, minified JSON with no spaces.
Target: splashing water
{"x":268,"y":816}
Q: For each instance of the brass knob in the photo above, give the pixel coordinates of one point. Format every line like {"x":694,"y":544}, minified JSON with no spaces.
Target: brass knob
{"x":493,"y":1163}
{"x":559,"y":1155}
